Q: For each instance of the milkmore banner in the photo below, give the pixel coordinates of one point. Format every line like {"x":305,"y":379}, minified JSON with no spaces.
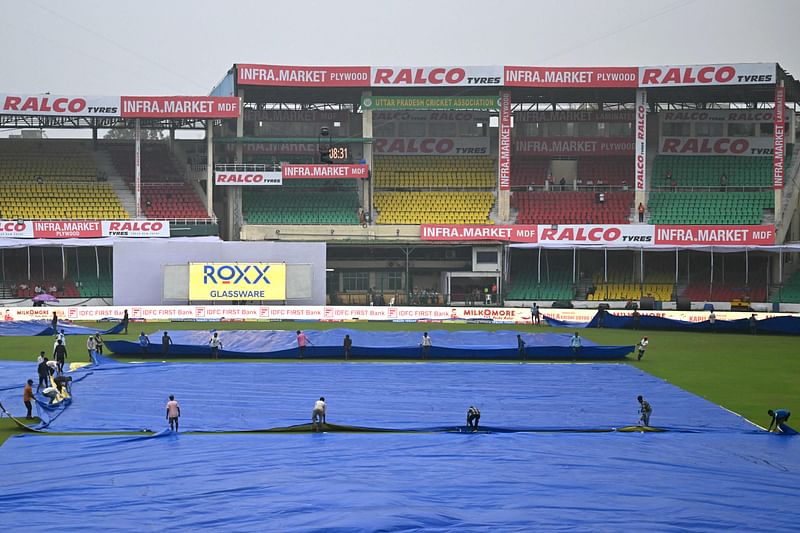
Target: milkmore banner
{"x":237,"y":281}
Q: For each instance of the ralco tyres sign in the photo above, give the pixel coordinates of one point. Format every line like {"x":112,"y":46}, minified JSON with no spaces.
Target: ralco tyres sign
{"x":82,"y":229}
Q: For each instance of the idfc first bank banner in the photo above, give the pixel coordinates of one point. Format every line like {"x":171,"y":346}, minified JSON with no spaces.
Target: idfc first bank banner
{"x":237,"y":281}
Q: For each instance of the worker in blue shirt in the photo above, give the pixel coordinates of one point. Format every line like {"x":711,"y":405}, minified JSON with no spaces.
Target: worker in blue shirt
{"x":779,"y":417}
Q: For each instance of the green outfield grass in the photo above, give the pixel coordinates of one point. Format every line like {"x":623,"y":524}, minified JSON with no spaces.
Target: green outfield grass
{"x":744,"y":373}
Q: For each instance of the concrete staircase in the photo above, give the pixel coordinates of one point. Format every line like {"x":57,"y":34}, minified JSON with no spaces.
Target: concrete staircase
{"x":105,"y":167}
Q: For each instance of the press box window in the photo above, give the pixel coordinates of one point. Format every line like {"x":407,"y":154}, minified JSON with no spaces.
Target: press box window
{"x":355,"y":281}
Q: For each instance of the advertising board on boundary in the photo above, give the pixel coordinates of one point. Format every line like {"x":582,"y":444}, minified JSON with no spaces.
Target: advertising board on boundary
{"x":499,"y":315}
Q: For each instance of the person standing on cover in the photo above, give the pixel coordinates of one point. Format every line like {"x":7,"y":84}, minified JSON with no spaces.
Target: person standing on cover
{"x":90,"y":345}
{"x":27,"y":396}
{"x":637,"y":318}
{"x":302,"y":342}
{"x":54,"y":322}
{"x":166,"y":340}
{"x":98,"y":343}
{"x":125,"y":321}
{"x":712,"y":321}
{"x":318,"y":414}
{"x":645,"y":410}
{"x":535,"y":314}
{"x":575,"y":343}
{"x":216,"y":344}
{"x":521,"y":347}
{"x":173,"y":413}
{"x":425,"y":345}
{"x":473,"y":418}
{"x":753,"y":324}
{"x":44,"y":374}
{"x":347,"y":345}
{"x":60,"y":355}
{"x":642,"y":347}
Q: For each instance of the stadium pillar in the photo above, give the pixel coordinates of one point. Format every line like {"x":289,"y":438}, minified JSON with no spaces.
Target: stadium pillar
{"x":504,"y":158}
{"x":210,"y":167}
{"x":366,"y":191}
{"x":235,"y":193}
{"x":138,"y":167}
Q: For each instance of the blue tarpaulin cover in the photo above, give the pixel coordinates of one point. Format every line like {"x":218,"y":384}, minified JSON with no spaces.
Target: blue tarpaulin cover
{"x":709,"y":470}
{"x":375,"y":345}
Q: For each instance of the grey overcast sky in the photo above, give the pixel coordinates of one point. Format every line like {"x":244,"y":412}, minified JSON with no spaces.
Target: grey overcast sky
{"x":185,"y":47}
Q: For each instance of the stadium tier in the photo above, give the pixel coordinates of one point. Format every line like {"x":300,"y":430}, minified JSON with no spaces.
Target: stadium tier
{"x":36,"y":201}
{"x":572,"y":207}
{"x":705,"y":207}
{"x":303,"y":202}
{"x":446,"y":172}
{"x":434,"y":207}
{"x":707,"y":171}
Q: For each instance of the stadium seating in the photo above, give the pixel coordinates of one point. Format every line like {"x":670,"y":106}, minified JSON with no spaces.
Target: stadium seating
{"x":434,"y":207}
{"x":26,"y":160}
{"x":790,"y":291}
{"x":706,"y":171}
{"x":525,"y":286}
{"x":705,"y":207}
{"x":303,"y":202}
{"x":572,"y":207}
{"x":157,"y":163}
{"x":612,"y":171}
{"x":529,"y":171}
{"x":621,"y":287}
{"x":726,"y":292}
{"x":59,"y":201}
{"x":446,"y":172}
{"x":171,"y":200}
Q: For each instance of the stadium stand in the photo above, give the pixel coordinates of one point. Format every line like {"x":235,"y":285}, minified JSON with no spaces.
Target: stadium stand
{"x":171,"y":200}
{"x":703,"y":207}
{"x":572,"y":207}
{"x":157,"y":163}
{"x":53,"y":180}
{"x":303,"y":202}
{"x":403,"y":194}
{"x":706,"y":171}
{"x":726,"y":292}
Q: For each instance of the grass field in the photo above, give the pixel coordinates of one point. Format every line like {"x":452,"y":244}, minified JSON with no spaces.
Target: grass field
{"x":743,"y":373}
